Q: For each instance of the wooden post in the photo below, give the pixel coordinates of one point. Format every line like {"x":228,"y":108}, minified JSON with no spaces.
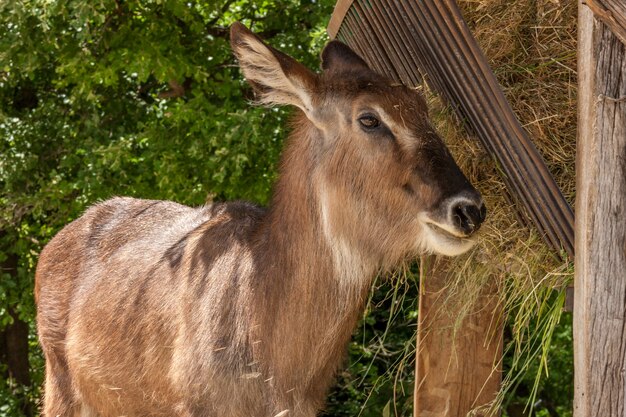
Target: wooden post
{"x":600,"y":265}
{"x":458,"y":364}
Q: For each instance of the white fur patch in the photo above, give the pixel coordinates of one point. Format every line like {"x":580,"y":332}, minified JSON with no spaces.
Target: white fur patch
{"x":442,"y":239}
{"x":348,"y":263}
{"x":86,"y":411}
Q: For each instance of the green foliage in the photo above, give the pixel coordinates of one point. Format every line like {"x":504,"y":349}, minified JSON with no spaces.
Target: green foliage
{"x":379,"y":378}
{"x":539,"y":375}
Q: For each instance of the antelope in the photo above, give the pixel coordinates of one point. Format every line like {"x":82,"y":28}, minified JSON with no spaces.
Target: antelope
{"x":152,"y":308}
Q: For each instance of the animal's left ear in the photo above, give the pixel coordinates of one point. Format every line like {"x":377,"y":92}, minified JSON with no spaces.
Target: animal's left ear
{"x":337,"y":56}
{"x":277,"y":78}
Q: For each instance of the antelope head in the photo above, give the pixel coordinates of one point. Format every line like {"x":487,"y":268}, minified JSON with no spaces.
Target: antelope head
{"x":386,"y":185}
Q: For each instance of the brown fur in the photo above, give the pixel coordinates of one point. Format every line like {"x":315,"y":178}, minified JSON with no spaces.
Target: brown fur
{"x":151,"y":308}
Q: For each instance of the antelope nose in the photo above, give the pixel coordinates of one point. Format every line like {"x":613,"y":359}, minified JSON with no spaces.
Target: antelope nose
{"x":468,"y":215}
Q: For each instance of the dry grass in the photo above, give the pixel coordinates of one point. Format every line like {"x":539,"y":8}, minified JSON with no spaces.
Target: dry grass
{"x":531,"y":45}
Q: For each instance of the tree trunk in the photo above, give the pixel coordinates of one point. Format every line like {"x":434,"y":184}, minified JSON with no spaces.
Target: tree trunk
{"x":14,"y":346}
{"x":14,"y":350}
{"x":600,"y":266}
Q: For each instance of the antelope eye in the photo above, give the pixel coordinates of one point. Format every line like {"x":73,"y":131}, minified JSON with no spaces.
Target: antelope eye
{"x":369,"y":122}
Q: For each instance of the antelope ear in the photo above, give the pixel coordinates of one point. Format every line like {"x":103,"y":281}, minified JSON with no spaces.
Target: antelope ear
{"x":337,"y":56}
{"x":277,"y":78}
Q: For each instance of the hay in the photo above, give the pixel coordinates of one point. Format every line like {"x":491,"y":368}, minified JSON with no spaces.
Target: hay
{"x":532,"y":49}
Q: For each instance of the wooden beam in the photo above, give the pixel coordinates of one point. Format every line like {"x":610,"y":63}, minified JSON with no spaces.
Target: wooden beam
{"x":458,"y":364}
{"x":600,"y":264}
{"x":339,"y":13}
{"x":612,"y":13}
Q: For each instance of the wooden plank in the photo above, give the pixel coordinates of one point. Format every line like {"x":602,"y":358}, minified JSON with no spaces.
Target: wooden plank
{"x":600,"y":264}
{"x":458,"y":364}
{"x":339,"y":13}
{"x":612,"y":13}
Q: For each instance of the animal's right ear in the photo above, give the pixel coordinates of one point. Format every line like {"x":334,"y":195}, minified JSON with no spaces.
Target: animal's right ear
{"x":277,"y":78}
